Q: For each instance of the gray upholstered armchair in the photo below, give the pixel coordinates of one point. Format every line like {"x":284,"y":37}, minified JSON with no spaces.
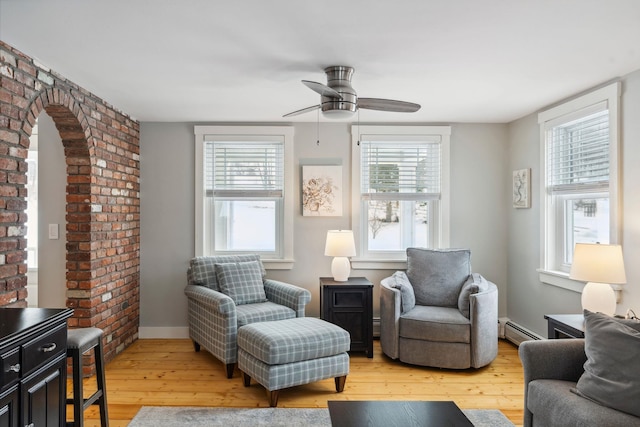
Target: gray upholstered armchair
{"x":438,"y":313}
{"x":227,"y":292}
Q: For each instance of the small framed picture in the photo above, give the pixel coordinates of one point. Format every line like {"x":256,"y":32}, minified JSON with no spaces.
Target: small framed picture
{"x":321,"y":190}
{"x":522,"y":188}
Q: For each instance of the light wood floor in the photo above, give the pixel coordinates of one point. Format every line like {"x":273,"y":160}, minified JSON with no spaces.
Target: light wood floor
{"x":171,"y":373}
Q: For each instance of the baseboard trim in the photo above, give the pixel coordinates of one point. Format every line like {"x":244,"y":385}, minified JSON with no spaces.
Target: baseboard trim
{"x":163,"y":332}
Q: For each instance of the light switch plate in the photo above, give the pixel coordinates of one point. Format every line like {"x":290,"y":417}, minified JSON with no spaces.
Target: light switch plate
{"x":53,"y":232}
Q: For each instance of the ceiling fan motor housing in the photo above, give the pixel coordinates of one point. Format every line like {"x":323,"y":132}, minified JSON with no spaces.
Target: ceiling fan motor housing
{"x":339,"y":79}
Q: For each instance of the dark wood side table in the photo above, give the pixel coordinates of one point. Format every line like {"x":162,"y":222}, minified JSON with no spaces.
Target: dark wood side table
{"x":565,"y":326}
{"x":349,"y":305}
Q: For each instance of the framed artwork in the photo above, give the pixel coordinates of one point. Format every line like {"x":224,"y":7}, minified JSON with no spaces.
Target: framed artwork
{"x":321,"y":190}
{"x":522,"y":188}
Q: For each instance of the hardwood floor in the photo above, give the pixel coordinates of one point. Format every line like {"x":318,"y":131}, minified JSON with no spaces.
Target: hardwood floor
{"x":171,"y":373}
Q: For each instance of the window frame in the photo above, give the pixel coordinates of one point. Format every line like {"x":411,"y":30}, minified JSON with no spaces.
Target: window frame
{"x":440,"y":221}
{"x":284,"y":225}
{"x":552,"y":244}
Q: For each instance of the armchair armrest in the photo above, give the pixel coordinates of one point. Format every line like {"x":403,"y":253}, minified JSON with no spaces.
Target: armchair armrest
{"x":288,"y":295}
{"x":213,"y":300}
{"x":390,"y":310}
{"x":483,"y":314}
{"x":552,"y":359}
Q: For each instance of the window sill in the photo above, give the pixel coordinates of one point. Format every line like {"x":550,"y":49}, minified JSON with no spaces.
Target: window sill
{"x":278,"y":264}
{"x":379,"y":264}
{"x":561,"y":279}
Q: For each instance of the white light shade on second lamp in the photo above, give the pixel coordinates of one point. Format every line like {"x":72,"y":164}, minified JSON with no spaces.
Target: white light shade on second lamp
{"x":340,"y":245}
{"x":600,"y":266}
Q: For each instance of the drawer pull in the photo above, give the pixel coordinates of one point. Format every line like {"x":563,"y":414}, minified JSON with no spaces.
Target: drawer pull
{"x":14,"y":368}
{"x":48,"y":347}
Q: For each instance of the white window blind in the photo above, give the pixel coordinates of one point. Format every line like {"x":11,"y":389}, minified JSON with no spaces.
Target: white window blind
{"x":252,"y":169}
{"x":400,"y":170}
{"x":578,"y":153}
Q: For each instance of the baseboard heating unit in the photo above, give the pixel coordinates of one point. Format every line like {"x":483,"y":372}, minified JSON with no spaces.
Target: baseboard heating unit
{"x":517,"y":334}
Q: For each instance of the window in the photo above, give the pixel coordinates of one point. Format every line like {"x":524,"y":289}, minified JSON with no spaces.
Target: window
{"x":400,"y":187}
{"x":580,"y":190}
{"x":244,"y":195}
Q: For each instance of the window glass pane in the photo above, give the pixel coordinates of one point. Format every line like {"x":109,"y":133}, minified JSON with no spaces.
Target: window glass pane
{"x":245,"y":225}
{"x":394,"y":225}
{"x":587,"y":222}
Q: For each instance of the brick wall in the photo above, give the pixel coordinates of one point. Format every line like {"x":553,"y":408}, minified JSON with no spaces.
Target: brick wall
{"x":101,"y":146}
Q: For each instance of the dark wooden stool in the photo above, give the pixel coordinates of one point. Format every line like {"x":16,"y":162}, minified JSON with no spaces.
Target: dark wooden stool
{"x":80,"y":341}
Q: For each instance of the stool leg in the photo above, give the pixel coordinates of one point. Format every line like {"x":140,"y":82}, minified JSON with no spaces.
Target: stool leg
{"x":102,"y":401}
{"x":78,"y":399}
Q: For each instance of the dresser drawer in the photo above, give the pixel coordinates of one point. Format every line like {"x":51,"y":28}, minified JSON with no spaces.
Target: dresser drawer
{"x":44,"y":348}
{"x":10,"y":362}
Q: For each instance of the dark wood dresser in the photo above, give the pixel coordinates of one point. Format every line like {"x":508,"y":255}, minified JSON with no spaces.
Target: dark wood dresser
{"x":33,"y":355}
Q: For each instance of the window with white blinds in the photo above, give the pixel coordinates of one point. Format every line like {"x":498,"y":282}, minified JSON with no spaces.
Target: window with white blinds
{"x":578,"y":152}
{"x":244,"y":192}
{"x":244,"y":169}
{"x":407,"y":170}
{"x":580,"y":186}
{"x":400,"y":187}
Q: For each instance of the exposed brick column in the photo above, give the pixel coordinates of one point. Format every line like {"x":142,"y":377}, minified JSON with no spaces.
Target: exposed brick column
{"x":101,"y":146}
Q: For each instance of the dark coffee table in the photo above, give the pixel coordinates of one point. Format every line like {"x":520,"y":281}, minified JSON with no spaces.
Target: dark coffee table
{"x":349,"y":413}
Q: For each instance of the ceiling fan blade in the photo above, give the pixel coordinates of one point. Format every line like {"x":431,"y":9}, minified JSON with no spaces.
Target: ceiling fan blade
{"x":387,"y":105}
{"x":304,"y":110}
{"x":323,"y":90}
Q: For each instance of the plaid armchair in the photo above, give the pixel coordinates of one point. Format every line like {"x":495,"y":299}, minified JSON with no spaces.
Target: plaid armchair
{"x":227,"y":292}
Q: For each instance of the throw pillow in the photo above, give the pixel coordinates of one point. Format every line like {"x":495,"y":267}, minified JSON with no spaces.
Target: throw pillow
{"x":612,"y":370}
{"x":202,"y":269}
{"x":438,"y":275}
{"x":242,"y":281}
{"x":474,"y":284}
{"x":401,"y":281}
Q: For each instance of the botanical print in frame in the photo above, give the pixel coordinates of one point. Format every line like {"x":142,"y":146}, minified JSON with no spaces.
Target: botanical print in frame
{"x":522,"y":188}
{"x":321,"y":190}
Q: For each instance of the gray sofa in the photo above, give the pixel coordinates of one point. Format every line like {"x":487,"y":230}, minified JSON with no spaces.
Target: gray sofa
{"x":438,"y":313}
{"x":552,"y":369}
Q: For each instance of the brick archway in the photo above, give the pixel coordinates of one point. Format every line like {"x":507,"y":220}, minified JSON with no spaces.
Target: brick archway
{"x":101,"y":146}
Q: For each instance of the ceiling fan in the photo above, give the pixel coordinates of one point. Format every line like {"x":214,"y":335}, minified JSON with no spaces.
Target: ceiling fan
{"x":339,"y":98}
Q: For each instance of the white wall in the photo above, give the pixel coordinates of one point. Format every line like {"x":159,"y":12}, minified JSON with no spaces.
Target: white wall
{"x":52,"y":199}
{"x":529,"y":299}
{"x":479,"y":217}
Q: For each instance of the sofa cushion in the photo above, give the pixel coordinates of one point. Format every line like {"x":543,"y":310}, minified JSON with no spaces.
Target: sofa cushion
{"x":431,"y":323}
{"x":242,"y":281}
{"x":474,"y":284}
{"x":612,"y":370}
{"x":202,"y":269}
{"x":438,"y":275}
{"x":553,"y":404}
{"x":399,"y":280}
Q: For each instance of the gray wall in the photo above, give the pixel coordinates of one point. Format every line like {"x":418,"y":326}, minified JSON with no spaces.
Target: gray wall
{"x":528,"y":299}
{"x":479,"y":205}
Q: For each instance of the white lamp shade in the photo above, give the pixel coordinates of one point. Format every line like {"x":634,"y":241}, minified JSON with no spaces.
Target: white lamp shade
{"x":340,"y":243}
{"x":598,"y":263}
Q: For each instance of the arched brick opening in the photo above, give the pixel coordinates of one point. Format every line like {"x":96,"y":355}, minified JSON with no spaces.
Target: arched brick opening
{"x":101,"y":146}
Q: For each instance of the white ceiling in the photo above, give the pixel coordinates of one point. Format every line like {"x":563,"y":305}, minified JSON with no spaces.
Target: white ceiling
{"x":242,"y":61}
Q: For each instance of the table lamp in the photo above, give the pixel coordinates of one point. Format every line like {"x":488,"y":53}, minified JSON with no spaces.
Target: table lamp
{"x":599,"y":266}
{"x":340,"y":245}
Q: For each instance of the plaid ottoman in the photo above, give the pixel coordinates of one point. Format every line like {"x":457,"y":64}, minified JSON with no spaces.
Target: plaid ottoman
{"x":286,"y":353}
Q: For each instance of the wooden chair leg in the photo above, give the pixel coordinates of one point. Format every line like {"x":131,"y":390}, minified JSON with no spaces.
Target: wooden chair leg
{"x":273,"y":398}
{"x":340,"y":381}
{"x":230,"y":368}
{"x":246,"y":380}
{"x":196,"y":346}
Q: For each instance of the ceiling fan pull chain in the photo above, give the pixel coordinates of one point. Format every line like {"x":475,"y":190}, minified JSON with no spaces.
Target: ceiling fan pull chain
{"x":358,"y":127}
{"x":318,"y":128}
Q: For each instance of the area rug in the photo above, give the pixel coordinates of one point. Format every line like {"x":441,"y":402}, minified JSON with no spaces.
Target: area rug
{"x":168,"y":416}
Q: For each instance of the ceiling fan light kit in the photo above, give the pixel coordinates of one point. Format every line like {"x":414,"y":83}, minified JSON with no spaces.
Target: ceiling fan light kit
{"x":338,"y":99}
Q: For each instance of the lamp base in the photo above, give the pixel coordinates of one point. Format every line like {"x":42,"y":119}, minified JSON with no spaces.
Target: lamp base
{"x":599,"y":298}
{"x":340,"y":268}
